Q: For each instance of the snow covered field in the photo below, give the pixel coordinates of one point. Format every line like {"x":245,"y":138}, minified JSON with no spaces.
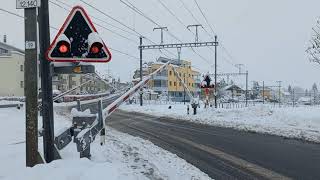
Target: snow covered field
{"x":299,"y":122}
{"x":124,"y":157}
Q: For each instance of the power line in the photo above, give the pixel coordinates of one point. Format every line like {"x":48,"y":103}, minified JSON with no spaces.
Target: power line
{"x":101,"y":20}
{"x":193,"y":16}
{"x":22,"y":17}
{"x":211,"y":28}
{"x":103,"y":27}
{"x":12,"y":13}
{"x":114,"y":19}
{"x":213,"y":32}
{"x":134,"y":8}
{"x":121,"y":52}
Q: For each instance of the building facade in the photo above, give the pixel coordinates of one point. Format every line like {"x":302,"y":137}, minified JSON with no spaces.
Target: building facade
{"x":167,"y":83}
{"x":65,"y":82}
{"x":12,"y":70}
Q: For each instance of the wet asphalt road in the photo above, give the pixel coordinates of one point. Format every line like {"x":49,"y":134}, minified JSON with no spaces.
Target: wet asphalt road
{"x":223,"y":153}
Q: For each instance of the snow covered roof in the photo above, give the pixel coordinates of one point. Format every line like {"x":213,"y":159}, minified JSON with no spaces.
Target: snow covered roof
{"x":10,"y":48}
{"x":304,"y":99}
{"x":230,"y":87}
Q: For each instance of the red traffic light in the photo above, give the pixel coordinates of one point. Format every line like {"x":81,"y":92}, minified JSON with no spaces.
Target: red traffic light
{"x":95,"y":48}
{"x":64,"y":47}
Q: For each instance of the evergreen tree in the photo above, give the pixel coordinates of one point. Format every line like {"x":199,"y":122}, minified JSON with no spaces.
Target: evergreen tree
{"x":290,"y":89}
{"x":314,"y":87}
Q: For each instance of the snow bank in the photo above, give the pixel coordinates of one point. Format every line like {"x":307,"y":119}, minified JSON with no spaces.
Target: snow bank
{"x":124,"y":157}
{"x":299,"y":122}
{"x":5,"y":102}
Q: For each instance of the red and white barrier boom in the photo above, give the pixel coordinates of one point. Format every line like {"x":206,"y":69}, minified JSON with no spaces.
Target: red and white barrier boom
{"x":113,"y":106}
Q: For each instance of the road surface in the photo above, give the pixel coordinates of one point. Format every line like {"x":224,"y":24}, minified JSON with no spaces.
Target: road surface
{"x":225,"y":153}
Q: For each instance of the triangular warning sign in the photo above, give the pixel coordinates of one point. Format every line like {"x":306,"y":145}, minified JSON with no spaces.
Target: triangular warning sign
{"x":78,"y":41}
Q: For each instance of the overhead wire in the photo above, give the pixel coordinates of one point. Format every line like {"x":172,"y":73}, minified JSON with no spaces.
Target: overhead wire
{"x":213,"y":32}
{"x":93,"y":17}
{"x":103,"y":27}
{"x":134,"y":8}
{"x":22,"y":17}
{"x":123,"y":24}
{"x":116,"y":50}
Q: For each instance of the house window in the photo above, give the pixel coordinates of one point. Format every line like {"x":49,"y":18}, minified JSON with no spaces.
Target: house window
{"x":170,"y":83}
{"x":3,"y":51}
{"x":21,"y":84}
{"x":21,"y":68}
{"x":175,"y":83}
{"x":170,"y":73}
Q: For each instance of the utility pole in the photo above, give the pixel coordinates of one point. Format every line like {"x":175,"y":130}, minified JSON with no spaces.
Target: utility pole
{"x":141,"y":90}
{"x":293,"y":98}
{"x":215,"y":71}
{"x":263,"y":92}
{"x":46,"y":84}
{"x":184,"y":89}
{"x":239,"y":67}
{"x":161,"y":29}
{"x":247,"y":78}
{"x":179,"y":55}
{"x":196,"y":26}
{"x":279,"y":92}
{"x":31,"y":86}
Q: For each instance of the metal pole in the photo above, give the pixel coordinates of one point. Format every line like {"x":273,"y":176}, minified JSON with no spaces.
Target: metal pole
{"x":141,"y":103}
{"x":293,"y":98}
{"x":263,"y":92}
{"x":31,"y":87}
{"x":279,"y":93}
{"x":215,"y":71}
{"x":184,"y":89}
{"x":247,"y":76}
{"x":46,"y":83}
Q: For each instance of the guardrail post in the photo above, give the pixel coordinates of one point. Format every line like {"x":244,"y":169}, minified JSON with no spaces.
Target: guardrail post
{"x":101,"y":123}
{"x":79,"y":105}
{"x":86,"y":153}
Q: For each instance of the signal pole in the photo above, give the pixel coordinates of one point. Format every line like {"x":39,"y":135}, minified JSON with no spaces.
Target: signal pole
{"x":46,"y":83}
{"x":141,"y":90}
{"x":279,"y":92}
{"x":161,"y":29}
{"x":263,"y":92}
{"x":196,"y":26}
{"x":215,"y":72}
{"x":239,"y":67}
{"x":31,"y":87}
{"x":247,"y":78}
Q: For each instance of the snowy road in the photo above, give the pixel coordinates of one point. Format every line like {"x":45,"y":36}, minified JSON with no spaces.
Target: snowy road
{"x":225,"y":153}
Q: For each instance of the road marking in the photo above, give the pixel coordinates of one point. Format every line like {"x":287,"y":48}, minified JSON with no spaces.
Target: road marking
{"x":256,"y":169}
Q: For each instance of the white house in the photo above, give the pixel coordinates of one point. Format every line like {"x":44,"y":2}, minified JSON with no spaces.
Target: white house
{"x":12,"y":70}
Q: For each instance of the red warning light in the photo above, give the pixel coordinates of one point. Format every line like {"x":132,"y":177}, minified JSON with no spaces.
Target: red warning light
{"x":63,"y":48}
{"x":95,"y":49}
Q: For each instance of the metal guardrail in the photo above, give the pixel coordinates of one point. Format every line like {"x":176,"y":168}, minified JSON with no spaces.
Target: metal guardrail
{"x":18,"y":105}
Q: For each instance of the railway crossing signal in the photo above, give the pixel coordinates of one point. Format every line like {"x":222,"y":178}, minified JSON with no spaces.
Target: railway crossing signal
{"x":206,"y":83}
{"x":78,"y":41}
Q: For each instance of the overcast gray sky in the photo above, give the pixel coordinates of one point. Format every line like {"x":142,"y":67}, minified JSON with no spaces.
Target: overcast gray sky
{"x":270,"y":36}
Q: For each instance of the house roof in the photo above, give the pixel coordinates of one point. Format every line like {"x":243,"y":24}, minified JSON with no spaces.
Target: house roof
{"x":10,"y":48}
{"x":231,"y":87}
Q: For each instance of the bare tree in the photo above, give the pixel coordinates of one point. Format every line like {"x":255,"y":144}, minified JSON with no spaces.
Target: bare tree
{"x":314,"y":48}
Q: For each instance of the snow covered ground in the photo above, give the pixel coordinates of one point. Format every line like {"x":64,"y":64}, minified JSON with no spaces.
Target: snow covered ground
{"x":124,"y":157}
{"x":299,"y":122}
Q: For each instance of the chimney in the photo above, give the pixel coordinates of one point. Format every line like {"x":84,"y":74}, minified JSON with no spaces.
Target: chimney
{"x":5,"y":38}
